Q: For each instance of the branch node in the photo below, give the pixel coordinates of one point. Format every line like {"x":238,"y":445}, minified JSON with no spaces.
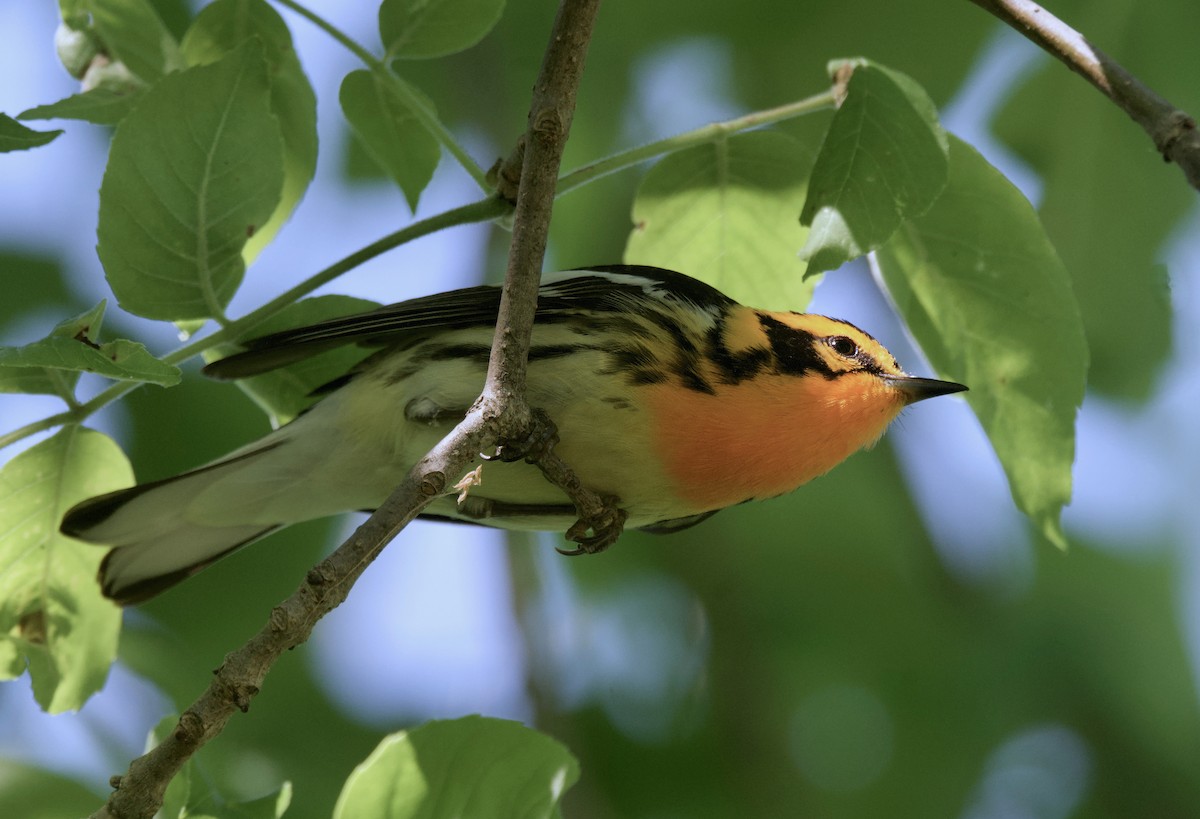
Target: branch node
{"x":114,"y":782}
{"x":505,"y":174}
{"x":548,"y":125}
{"x":317,"y":576}
{"x":189,"y":728}
{"x":841,"y":74}
{"x":1177,"y":125}
{"x":433,"y":484}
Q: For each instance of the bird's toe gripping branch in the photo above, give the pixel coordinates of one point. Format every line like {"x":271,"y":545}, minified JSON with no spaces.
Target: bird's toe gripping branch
{"x":605,"y":524}
{"x":601,"y":520}
{"x":540,"y":441}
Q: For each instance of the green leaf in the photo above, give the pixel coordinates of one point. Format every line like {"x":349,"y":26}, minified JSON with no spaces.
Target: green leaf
{"x":982,"y":289}
{"x":390,"y":132}
{"x":83,"y":329}
{"x":271,"y":806}
{"x":419,"y":29}
{"x":134,"y":34}
{"x":1112,"y":227}
{"x":102,"y":106}
{"x":121,"y":359}
{"x":726,"y":213}
{"x":16,"y":137}
{"x":32,"y":793}
{"x":472,"y":766}
{"x":72,"y":347}
{"x":52,"y":616}
{"x":883,"y":160}
{"x":285,"y":393}
{"x":194,"y":170}
{"x":219,"y":29}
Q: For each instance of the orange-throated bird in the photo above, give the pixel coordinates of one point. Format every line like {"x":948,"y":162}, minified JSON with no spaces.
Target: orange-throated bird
{"x":668,"y":395}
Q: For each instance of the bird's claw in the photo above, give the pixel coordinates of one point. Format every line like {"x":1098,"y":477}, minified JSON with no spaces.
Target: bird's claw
{"x":605,"y":528}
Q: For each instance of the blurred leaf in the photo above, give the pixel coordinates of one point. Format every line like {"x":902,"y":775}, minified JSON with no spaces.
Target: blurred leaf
{"x":220,"y":28}
{"x":134,"y":34}
{"x":178,"y":794}
{"x":284,"y":393}
{"x":472,"y":766}
{"x":190,"y":795}
{"x":1109,"y":202}
{"x":980,"y":286}
{"x":43,"y":288}
{"x":193,"y":172}
{"x":390,"y":132}
{"x":419,"y":29}
{"x":726,"y":214}
{"x":52,"y":616}
{"x":102,"y":106}
{"x":883,"y":160}
{"x":30,"y":793}
{"x":16,"y":137}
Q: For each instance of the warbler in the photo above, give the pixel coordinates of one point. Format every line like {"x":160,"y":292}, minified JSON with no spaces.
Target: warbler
{"x":667,"y":394}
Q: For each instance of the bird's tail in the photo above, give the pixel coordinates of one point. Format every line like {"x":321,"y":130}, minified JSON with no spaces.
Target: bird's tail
{"x":166,"y":531}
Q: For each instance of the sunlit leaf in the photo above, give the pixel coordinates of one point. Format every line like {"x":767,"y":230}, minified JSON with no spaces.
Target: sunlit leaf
{"x":726,"y":213}
{"x":390,"y":132}
{"x":221,"y":27}
{"x":52,"y":616}
{"x":463,"y":767}
{"x":16,"y":137}
{"x":991,"y":304}
{"x":883,"y":160}
{"x":416,"y":29}
{"x":194,"y":170}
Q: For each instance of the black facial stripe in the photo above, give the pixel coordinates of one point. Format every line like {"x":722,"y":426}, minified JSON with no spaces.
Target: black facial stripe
{"x":794,"y":350}
{"x":735,"y":367}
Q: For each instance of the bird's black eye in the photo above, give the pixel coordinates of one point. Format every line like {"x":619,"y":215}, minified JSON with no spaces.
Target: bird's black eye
{"x":843,"y":346}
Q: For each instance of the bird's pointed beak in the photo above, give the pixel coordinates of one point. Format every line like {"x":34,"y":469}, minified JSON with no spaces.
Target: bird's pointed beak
{"x":918,"y":389}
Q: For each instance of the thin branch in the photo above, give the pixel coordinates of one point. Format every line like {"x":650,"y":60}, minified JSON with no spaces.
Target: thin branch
{"x":697,"y":136}
{"x":139,"y":793}
{"x":535,"y":163}
{"x":1174,"y":132}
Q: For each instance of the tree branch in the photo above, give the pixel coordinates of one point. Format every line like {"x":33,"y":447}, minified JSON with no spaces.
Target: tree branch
{"x":139,"y":793}
{"x":1174,"y":132}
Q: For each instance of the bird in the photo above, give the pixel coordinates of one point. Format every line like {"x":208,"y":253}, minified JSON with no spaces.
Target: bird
{"x":668,"y":396}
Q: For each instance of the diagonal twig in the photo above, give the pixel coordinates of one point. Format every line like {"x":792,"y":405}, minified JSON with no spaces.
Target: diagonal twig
{"x":1174,"y":131}
{"x":500,"y":415}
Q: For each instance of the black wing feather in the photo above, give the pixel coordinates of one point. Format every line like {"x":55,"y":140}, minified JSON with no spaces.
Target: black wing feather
{"x":607,"y":288}
{"x":455,"y":309}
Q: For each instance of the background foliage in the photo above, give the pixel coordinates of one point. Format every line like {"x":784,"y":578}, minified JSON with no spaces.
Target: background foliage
{"x":892,"y":640}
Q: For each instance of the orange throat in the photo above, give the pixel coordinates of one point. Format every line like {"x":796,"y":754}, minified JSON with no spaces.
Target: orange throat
{"x":765,"y":436}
